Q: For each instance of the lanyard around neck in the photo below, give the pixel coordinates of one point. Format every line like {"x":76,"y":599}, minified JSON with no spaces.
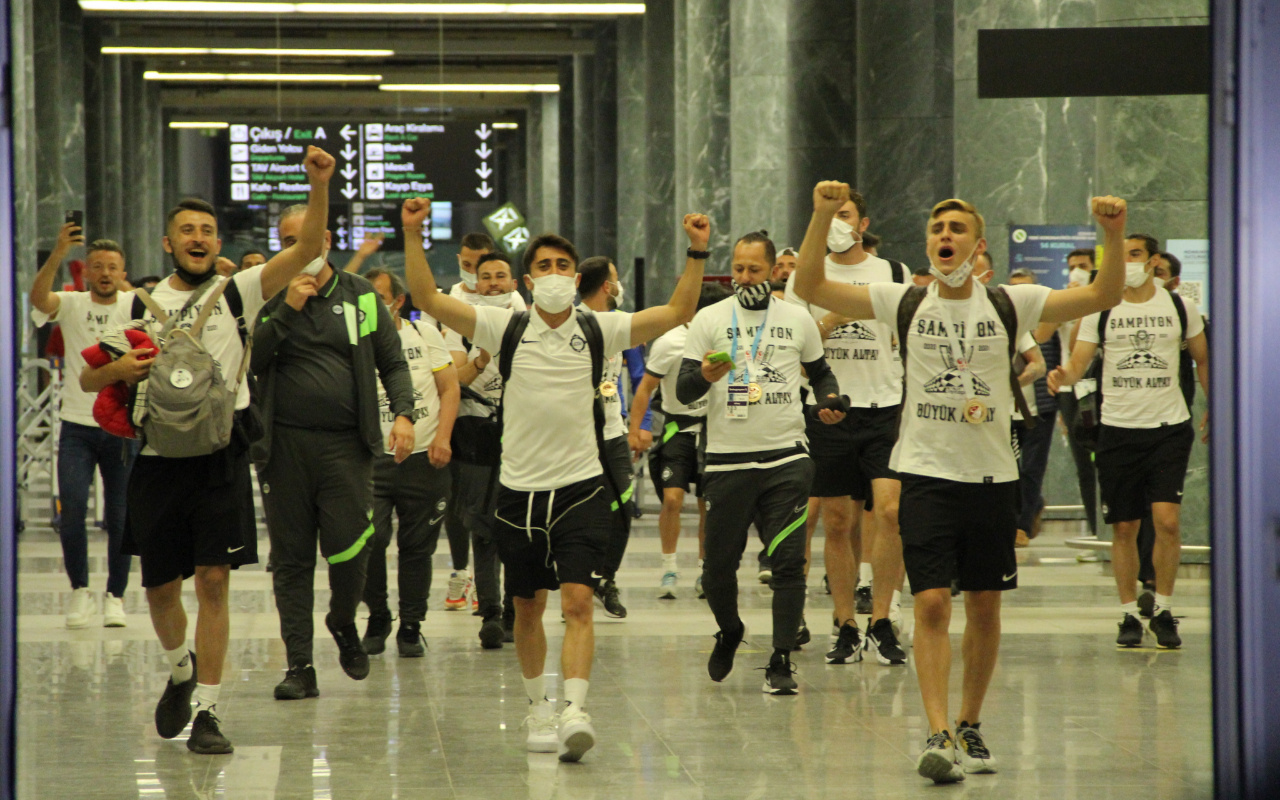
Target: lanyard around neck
{"x":964,"y":351}
{"x":745,"y":375}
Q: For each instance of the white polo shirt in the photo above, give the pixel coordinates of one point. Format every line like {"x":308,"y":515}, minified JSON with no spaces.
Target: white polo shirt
{"x":83,"y":323}
{"x":549,"y":436}
{"x":665,"y":355}
{"x":425,"y":353}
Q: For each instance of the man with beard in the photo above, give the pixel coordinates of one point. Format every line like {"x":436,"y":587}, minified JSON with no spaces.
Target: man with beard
{"x":194,"y":515}
{"x":82,"y":445}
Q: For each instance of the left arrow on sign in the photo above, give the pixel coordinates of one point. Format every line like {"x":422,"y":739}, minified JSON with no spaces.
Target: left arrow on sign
{"x":347,"y":133}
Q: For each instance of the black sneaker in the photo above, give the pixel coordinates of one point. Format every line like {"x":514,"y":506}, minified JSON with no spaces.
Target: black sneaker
{"x":607,"y":591}
{"x":777,"y":676}
{"x":206,"y":739}
{"x":882,"y":639}
{"x":1147,"y":604}
{"x":862,"y":598}
{"x":1165,"y":628}
{"x":803,"y":636}
{"x":173,"y":712}
{"x":352,"y":657}
{"x":1131,"y":631}
{"x":299,"y":683}
{"x":491,"y":632}
{"x":848,"y":648}
{"x":721,"y":662}
{"x":376,"y":633}
{"x":409,"y":641}
{"x":508,"y":625}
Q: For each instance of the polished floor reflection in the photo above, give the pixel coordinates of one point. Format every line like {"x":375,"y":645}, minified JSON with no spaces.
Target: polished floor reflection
{"x":1069,"y":716}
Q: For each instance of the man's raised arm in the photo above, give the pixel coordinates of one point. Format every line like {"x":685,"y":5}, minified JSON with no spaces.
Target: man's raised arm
{"x":281,"y":269}
{"x":450,"y":311}
{"x":653,"y":322}
{"x":811,"y":282}
{"x":42,"y":294}
{"x":1106,"y":291}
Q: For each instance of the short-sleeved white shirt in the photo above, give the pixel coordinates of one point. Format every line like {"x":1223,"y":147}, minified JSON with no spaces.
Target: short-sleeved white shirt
{"x":83,"y":323}
{"x":860,"y":353}
{"x":790,"y":338}
{"x":549,"y":437}
{"x":1141,"y":361}
{"x":1026,"y":343}
{"x":426,"y":355}
{"x":614,"y":426}
{"x":665,"y":355}
{"x":934,"y":439}
{"x":488,"y":383}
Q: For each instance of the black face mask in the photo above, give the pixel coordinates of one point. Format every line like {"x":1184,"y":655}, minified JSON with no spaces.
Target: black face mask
{"x":778,"y":286}
{"x":192,"y":278}
{"x":752,"y":298}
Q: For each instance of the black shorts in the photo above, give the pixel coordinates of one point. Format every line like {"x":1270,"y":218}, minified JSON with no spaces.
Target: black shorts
{"x":1141,"y":466}
{"x":553,"y":537}
{"x":675,"y":464}
{"x":849,"y":455}
{"x":190,"y":512}
{"x":959,"y":530}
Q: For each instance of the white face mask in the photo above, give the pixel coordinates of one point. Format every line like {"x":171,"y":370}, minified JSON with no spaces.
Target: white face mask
{"x":495,"y":300}
{"x":1135,"y":273}
{"x":468,"y":279}
{"x":1079,"y":277}
{"x":1159,"y":282}
{"x":960,"y":274}
{"x":620,"y":296}
{"x":841,"y":237}
{"x":554,"y":293}
{"x":313,"y":269}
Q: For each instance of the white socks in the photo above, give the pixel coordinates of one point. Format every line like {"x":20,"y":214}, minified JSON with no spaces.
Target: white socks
{"x":536,"y":688}
{"x":865,"y":574}
{"x":179,"y":660}
{"x":897,"y":599}
{"x":669,"y":562}
{"x":575,"y":691}
{"x":207,"y":696}
{"x":1163,"y":603}
{"x":1130,"y":608}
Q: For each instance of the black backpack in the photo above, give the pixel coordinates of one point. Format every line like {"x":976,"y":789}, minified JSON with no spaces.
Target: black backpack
{"x":910,"y":303}
{"x":1088,"y":416}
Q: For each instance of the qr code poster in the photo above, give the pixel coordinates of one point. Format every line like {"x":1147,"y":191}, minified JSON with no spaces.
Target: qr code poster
{"x":1193,"y":291}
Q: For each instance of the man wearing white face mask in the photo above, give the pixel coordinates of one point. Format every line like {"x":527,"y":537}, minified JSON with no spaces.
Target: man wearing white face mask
{"x":954,"y":454}
{"x":320,"y":351}
{"x":552,"y":508}
{"x":851,"y":459}
{"x":1145,"y":436}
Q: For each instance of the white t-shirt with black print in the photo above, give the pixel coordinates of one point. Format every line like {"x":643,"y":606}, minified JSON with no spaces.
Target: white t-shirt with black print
{"x":860,"y":353}
{"x":934,"y":439}
{"x":83,"y":323}
{"x":426,"y":355}
{"x":790,"y":338}
{"x":1140,"y":361}
{"x":665,"y":355}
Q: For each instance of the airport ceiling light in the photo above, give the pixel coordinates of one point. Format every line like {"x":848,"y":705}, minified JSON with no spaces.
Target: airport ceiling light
{"x":506,"y":126}
{"x":286,"y":52}
{"x":200,"y":125}
{"x":363,"y":9}
{"x":511,"y":88}
{"x":259,"y":77}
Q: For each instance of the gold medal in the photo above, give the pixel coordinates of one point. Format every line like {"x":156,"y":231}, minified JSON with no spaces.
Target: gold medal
{"x":608,"y":389}
{"x":975,"y":411}
{"x":754,"y":392}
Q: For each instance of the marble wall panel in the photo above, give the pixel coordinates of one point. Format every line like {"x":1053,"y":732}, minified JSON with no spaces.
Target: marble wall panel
{"x":551,"y":186}
{"x":606,"y":150}
{"x":533,"y":126}
{"x":566,"y":142}
{"x":631,"y":147}
{"x":71,"y":134}
{"x":707,"y":179}
{"x":25,"y":145}
{"x":659,"y":196}
{"x":680,"y":111}
{"x":48,"y":117}
{"x":584,"y":155}
{"x":759,"y":96}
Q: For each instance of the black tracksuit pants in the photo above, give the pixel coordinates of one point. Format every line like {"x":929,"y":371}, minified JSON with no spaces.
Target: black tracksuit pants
{"x":617,"y":459}
{"x":778,"y":498}
{"x":477,"y":494}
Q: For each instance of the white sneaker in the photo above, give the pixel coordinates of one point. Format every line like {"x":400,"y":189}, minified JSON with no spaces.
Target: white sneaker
{"x":972,"y":751}
{"x":541,"y":723}
{"x":667,"y":589}
{"x":456,"y":597}
{"x":937,"y":761}
{"x":113,"y":612}
{"x":895,"y":618}
{"x":80,"y":609}
{"x":576,"y":734}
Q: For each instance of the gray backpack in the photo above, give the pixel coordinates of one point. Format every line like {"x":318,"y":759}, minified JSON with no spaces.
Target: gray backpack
{"x":184,"y":408}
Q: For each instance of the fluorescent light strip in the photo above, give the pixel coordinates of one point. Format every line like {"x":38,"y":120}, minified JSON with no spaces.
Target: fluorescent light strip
{"x":244,"y":51}
{"x":199,"y":124}
{"x":514,"y":88}
{"x":506,"y":126}
{"x":402,"y":9}
{"x":258,"y":77}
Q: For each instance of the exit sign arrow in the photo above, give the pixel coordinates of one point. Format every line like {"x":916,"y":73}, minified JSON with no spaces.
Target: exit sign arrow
{"x":348,"y":152}
{"x":484,"y":151}
{"x":349,"y":172}
{"x":484,"y":189}
{"x":484,"y":171}
{"x":483,"y":131}
{"x":349,"y":191}
{"x":346,"y":132}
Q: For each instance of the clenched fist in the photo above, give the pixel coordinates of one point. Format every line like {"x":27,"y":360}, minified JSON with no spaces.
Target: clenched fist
{"x":414,"y":213}
{"x":698,"y":228}
{"x":830,"y":196}
{"x":1110,"y":212}
{"x":319,"y":165}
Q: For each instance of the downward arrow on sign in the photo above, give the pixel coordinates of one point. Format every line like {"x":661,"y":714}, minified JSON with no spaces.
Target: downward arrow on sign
{"x":483,"y":131}
{"x":484,"y":189}
{"x":349,"y":191}
{"x":484,"y":151}
{"x":348,"y":152}
{"x":349,"y":172}
{"x":484,"y":171}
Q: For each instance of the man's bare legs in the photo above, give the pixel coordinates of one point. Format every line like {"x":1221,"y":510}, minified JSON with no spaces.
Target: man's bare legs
{"x":886,"y":558}
{"x":579,"y":634}
{"x":213,"y":622}
{"x":838,"y":514}
{"x":531,"y":638}
{"x":1124,"y":559}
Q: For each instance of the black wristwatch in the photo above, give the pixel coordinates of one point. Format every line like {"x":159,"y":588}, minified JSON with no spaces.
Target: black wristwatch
{"x":698,"y":255}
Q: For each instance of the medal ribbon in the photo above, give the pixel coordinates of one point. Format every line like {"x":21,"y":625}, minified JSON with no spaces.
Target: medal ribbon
{"x":976,"y":304}
{"x":744,"y":376}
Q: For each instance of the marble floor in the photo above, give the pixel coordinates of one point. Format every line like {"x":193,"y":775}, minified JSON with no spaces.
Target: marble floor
{"x":1068,"y":716}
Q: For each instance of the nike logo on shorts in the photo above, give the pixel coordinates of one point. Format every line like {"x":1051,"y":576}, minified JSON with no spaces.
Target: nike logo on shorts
{"x":1009,"y":577}
{"x":235,"y":549}
{"x":436,"y":521}
{"x":597,"y":576}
